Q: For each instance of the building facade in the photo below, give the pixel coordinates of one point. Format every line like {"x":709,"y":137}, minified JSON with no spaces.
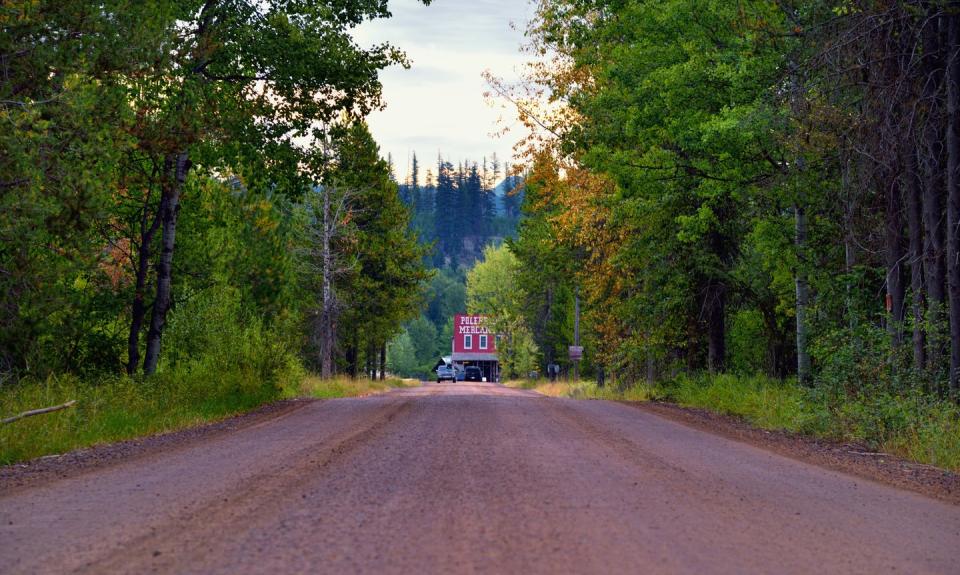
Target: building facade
{"x":475,"y":344}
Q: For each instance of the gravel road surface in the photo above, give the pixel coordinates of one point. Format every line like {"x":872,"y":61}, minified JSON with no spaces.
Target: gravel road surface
{"x":471,"y":478}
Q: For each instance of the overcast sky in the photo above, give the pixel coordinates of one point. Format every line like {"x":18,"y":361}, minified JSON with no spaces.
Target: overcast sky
{"x":437,"y":106}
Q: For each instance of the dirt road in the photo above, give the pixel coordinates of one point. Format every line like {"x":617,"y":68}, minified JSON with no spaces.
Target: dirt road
{"x":471,"y":478}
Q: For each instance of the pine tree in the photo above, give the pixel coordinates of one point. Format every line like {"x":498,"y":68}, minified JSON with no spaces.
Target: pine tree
{"x":414,"y":184}
{"x":386,"y":288}
{"x":446,"y":213}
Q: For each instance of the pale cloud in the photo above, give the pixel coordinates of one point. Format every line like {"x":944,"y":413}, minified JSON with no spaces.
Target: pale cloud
{"x":438,"y":105}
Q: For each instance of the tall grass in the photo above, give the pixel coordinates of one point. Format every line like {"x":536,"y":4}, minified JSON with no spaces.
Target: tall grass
{"x":764,"y":402}
{"x":117,"y":408}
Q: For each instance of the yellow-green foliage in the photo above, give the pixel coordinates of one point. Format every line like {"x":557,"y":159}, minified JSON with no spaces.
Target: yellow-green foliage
{"x":915,"y":427}
{"x":583,"y":389}
{"x":935,"y":439}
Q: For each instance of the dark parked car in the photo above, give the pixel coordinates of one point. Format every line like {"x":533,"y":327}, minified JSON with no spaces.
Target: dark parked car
{"x":445,"y":372}
{"x":473,"y":373}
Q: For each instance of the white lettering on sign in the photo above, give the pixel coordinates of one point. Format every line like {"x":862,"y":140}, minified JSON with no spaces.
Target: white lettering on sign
{"x":472,"y":325}
{"x":472,"y":329}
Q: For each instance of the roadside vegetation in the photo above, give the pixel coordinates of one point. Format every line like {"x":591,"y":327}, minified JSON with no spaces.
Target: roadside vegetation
{"x":913,"y":425}
{"x":187,"y":217}
{"x":583,"y":389}
{"x":726,"y":189}
{"x":117,"y":408}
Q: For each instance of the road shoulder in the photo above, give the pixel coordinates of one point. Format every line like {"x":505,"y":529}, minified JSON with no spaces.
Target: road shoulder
{"x":37,"y":472}
{"x":848,"y":458}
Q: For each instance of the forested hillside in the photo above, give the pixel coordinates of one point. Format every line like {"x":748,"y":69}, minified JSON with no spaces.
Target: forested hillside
{"x":458,"y":211}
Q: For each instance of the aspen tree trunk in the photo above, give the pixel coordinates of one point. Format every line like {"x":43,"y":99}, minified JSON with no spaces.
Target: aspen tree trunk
{"x":371,"y":358}
{"x":547,"y":319}
{"x":175,"y":174}
{"x":797,"y":107}
{"x":915,"y":229}
{"x":849,"y":245}
{"x":576,"y":331}
{"x":953,"y":191}
{"x":326,"y":313}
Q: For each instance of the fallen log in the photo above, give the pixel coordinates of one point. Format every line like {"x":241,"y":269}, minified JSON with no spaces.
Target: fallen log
{"x":38,"y":412}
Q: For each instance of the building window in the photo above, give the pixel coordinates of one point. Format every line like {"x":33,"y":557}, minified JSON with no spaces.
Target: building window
{"x":468,"y":342}
{"x":483,"y":342}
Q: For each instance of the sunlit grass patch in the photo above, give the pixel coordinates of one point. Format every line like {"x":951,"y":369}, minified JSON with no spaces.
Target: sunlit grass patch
{"x":342,"y":386}
{"x":117,"y":408}
{"x":583,"y":389}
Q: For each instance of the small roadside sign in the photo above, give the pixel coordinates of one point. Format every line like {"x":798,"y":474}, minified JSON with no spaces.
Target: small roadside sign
{"x":576,"y":352}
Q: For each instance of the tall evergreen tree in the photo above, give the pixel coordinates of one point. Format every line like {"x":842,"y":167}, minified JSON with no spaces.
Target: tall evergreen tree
{"x":387,"y":286}
{"x":446,"y":212}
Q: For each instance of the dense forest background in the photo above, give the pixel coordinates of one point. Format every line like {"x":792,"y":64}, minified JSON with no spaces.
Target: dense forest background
{"x":458,"y":211}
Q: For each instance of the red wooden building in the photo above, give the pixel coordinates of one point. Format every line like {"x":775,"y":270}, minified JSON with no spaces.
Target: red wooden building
{"x":475,"y":344}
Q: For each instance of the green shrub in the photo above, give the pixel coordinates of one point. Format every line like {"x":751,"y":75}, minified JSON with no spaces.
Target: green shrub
{"x":216,"y":363}
{"x":764,"y":401}
{"x":746,"y":329}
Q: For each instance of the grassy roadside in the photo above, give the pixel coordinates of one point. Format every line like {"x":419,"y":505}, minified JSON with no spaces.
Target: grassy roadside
{"x":583,"y":389}
{"x":313,"y":386}
{"x":912,"y":426}
{"x":119,"y":408}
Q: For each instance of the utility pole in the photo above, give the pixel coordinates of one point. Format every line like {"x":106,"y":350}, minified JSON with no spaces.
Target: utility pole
{"x":576,"y":332}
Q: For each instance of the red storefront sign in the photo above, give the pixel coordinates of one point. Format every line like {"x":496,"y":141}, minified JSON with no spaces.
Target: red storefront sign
{"x":470,"y":335}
